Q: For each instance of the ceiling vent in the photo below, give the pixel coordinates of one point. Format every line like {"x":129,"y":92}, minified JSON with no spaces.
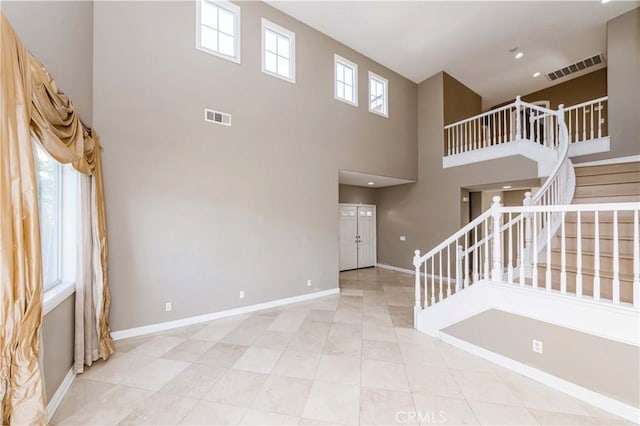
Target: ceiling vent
{"x":217,"y":117}
{"x":578,"y":66}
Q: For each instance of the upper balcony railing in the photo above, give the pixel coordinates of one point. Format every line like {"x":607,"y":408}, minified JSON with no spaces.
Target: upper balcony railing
{"x":523,"y":121}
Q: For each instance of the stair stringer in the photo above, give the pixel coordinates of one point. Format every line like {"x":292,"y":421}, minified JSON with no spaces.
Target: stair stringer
{"x":615,"y":322}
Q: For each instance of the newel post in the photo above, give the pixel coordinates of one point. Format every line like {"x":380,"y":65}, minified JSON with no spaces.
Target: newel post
{"x":528,"y":233}
{"x":560,"y":123}
{"x":496,"y":270}
{"x":418,"y":304}
{"x":518,"y":118}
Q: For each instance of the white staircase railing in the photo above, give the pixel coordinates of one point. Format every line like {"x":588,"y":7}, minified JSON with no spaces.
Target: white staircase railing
{"x":587,"y":121}
{"x":506,"y":244}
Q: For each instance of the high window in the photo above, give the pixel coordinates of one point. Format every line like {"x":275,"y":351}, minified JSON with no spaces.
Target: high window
{"x":346,"y":80}
{"x":378,"y":95}
{"x":278,"y":51}
{"x":218,"y":28}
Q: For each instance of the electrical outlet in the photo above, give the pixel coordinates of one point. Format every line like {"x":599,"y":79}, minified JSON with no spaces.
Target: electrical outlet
{"x":242,"y":294}
{"x":167,"y":306}
{"x":308,"y":283}
{"x":403,"y":238}
{"x":537,"y":346}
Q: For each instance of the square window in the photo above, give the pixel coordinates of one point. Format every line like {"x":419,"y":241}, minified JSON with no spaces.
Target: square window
{"x":278,"y":51}
{"x":219,"y":28}
{"x":378,"y":95}
{"x":346,"y":80}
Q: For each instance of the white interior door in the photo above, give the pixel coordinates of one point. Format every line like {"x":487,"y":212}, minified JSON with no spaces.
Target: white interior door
{"x":357,"y":236}
{"x":348,"y":240}
{"x":366,"y":237}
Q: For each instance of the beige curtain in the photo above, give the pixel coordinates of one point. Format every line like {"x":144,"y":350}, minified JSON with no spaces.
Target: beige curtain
{"x":31,"y":102}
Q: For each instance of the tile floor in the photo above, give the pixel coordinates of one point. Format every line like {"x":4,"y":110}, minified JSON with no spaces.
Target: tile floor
{"x":348,"y":359}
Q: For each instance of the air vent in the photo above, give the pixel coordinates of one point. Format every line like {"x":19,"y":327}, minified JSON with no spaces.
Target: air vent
{"x":217,"y":117}
{"x":578,"y":66}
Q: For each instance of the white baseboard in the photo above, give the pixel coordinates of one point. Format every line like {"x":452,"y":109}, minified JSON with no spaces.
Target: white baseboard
{"x":410,"y":272}
{"x":162,"y":326}
{"x":61,"y":392}
{"x":619,"y":160}
{"x":601,"y":401}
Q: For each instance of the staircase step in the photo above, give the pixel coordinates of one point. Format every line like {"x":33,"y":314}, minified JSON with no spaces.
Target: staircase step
{"x":625,"y":244}
{"x":606,"y":283}
{"x":624,"y":177}
{"x":606,"y":199}
{"x":607,"y":190}
{"x":607,"y":169}
{"x":605,"y":229}
{"x":606,"y":261}
{"x":603,"y":217}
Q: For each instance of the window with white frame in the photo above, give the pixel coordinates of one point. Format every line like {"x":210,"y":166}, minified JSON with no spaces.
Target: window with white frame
{"x":278,"y":51}
{"x":346,"y":80}
{"x":49,"y":178}
{"x":378,"y":95}
{"x":218,"y":31}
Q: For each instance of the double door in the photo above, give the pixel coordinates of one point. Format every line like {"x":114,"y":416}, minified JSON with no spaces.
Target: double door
{"x":357,"y":236}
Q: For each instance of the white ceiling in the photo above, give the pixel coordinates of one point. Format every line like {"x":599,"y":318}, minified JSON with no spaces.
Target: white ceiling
{"x":347,"y":177}
{"x":468,"y":39}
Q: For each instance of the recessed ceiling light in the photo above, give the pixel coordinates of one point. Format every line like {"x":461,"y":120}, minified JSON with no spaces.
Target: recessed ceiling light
{"x":506,"y":187}
{"x":371,"y":183}
{"x":519,"y":55}
{"x":605,"y":1}
{"x":536,"y":74}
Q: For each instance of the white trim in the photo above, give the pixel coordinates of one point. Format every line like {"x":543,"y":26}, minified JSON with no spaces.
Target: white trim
{"x":618,"y":160}
{"x":229,"y":7}
{"x":337,"y":59}
{"x":385,"y":84}
{"x":162,"y":326}
{"x":601,"y":401}
{"x":410,"y":272}
{"x":61,"y":392}
{"x":593,"y":146}
{"x":268,"y":25}
{"x":56,"y":295}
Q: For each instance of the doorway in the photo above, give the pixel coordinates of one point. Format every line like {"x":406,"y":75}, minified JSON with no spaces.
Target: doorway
{"x":357,"y":236}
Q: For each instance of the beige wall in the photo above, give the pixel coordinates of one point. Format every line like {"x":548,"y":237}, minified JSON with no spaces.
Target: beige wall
{"x":428,"y":211}
{"x":58,"y":340}
{"x":356,"y":194}
{"x":604,"y":366}
{"x":60,"y":35}
{"x":198,"y":212}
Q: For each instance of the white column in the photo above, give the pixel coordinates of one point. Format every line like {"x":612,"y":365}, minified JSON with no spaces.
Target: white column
{"x":496,"y":270}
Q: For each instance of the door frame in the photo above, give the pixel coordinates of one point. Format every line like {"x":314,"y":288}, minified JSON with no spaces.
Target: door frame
{"x":375,"y":230}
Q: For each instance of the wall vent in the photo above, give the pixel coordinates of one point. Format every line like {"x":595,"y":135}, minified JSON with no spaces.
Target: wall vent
{"x":578,"y":66}
{"x":217,"y":117}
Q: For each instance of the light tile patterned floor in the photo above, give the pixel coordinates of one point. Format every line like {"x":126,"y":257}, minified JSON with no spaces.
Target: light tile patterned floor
{"x":348,"y":359}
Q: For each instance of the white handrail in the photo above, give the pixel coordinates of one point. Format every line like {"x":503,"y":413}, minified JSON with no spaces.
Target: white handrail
{"x":583,"y":104}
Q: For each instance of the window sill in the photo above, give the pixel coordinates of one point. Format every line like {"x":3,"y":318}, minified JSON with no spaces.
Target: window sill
{"x":56,"y":295}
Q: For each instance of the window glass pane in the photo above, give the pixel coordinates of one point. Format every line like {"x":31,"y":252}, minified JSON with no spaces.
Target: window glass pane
{"x":339,"y":72}
{"x":348,"y":75}
{"x":348,"y":93}
{"x":283,"y":66}
{"x":283,"y":47}
{"x":48,"y":175}
{"x":270,"y":41}
{"x":270,"y":62}
{"x":209,"y":38}
{"x":340,"y":89}
{"x":209,"y":14}
{"x":226,"y":44}
{"x":227,"y":22}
